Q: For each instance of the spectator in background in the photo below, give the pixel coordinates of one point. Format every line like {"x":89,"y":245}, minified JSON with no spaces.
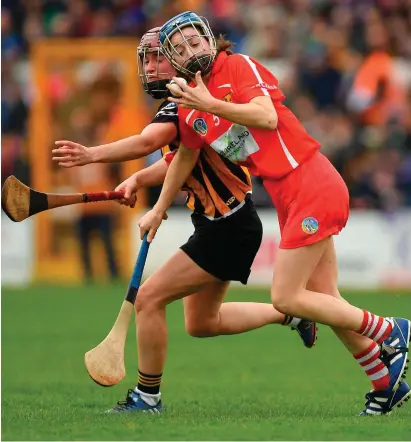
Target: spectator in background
{"x":83,"y":106}
{"x":94,"y":218}
{"x":345,"y":67}
{"x":11,"y":42}
{"x":14,"y":159}
{"x":404,"y":170}
{"x":32,"y":29}
{"x":377,"y":97}
{"x":79,"y":11}
{"x":14,"y":112}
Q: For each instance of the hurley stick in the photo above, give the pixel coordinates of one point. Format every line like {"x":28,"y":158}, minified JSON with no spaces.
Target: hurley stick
{"x":105,"y":363}
{"x":19,"y":201}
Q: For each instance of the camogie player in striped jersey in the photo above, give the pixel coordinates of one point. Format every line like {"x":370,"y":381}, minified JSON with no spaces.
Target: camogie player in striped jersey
{"x":226,"y":237}
{"x":253,"y":128}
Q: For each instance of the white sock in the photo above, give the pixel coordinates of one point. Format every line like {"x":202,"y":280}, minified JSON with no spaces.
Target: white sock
{"x":291,"y":321}
{"x":294,"y":322}
{"x":149,"y":399}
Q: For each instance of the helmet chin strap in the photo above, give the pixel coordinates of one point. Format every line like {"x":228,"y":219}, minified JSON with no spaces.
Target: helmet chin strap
{"x":157,"y":89}
{"x":203,"y":64}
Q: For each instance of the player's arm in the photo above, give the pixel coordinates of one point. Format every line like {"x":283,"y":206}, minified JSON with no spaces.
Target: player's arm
{"x":178,"y":172}
{"x":259,"y":112}
{"x":153,"y":137}
{"x":147,"y":177}
{"x":153,"y":175}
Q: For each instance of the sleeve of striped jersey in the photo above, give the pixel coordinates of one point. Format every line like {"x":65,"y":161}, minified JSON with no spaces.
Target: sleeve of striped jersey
{"x":167,"y":113}
{"x":251,"y":79}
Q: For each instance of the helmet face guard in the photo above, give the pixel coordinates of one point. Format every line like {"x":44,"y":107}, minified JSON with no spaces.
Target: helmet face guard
{"x":153,"y":83}
{"x":202,"y":57}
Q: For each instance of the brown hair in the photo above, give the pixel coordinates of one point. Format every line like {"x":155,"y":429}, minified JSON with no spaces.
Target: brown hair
{"x":224,"y":45}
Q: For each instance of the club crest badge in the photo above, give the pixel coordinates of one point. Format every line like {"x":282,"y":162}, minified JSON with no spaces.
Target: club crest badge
{"x":200,"y":126}
{"x":310,"y":225}
{"x":227,"y":98}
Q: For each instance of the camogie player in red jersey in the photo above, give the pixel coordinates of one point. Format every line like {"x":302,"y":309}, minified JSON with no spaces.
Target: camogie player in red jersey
{"x":226,"y":238}
{"x":235,"y":105}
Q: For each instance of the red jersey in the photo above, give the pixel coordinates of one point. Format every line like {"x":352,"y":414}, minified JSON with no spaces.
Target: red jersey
{"x":238,"y":79}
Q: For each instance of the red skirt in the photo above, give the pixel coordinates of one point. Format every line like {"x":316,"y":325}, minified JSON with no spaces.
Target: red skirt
{"x":312,"y":202}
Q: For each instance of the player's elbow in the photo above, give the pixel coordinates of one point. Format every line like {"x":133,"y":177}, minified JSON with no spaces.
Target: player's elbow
{"x":188,"y":157}
{"x":270,"y":121}
{"x":266,"y":120}
{"x":265,"y":113}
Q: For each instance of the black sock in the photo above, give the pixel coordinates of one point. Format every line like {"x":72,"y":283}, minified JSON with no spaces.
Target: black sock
{"x":149,"y":383}
{"x":287,"y":319}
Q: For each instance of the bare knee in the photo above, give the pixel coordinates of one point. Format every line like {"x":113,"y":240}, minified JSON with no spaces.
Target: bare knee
{"x":146,"y":299}
{"x":205,"y":329}
{"x":283,"y":301}
{"x":286,"y":307}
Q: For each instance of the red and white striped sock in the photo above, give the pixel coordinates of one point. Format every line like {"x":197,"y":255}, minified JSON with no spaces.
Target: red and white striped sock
{"x":374,"y":368}
{"x":375,"y":327}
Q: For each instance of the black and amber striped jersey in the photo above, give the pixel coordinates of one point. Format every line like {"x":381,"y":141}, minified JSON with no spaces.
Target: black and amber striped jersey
{"x":216,"y":187}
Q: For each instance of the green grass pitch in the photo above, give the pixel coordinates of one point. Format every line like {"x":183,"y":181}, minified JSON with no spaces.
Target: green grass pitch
{"x":262,"y":385}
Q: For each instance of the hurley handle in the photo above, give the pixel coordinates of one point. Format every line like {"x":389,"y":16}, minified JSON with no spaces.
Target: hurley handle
{"x":138,"y":271}
{"x":103,"y":196}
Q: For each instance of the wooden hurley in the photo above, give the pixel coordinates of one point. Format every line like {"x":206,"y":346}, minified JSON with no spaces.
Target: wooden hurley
{"x":19,"y":201}
{"x":105,"y":363}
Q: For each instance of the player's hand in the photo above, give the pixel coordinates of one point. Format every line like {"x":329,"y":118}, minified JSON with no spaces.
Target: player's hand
{"x":194,"y":97}
{"x":130,"y":188}
{"x":70,"y":154}
{"x":150,"y":223}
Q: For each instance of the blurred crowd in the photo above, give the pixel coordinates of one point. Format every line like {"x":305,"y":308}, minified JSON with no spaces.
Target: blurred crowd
{"x":344,"y":65}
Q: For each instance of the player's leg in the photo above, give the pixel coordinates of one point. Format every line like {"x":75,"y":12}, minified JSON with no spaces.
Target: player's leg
{"x":180,"y":276}
{"x":365,"y":351}
{"x":218,"y":251}
{"x":312,"y":205}
{"x":293,"y":270}
{"x":84,"y":228}
{"x":226,"y":249}
{"x":206,"y":315}
{"x":382,"y":400}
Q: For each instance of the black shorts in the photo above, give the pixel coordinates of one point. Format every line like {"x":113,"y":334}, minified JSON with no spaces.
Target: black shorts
{"x":226,"y":248}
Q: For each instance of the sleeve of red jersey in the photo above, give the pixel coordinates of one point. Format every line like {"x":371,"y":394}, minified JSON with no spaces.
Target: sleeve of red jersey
{"x":188,"y":137}
{"x":250,"y":79}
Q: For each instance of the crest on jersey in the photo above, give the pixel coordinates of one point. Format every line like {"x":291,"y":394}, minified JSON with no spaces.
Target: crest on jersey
{"x":200,"y":126}
{"x":227,"y":97}
{"x":309,"y":225}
